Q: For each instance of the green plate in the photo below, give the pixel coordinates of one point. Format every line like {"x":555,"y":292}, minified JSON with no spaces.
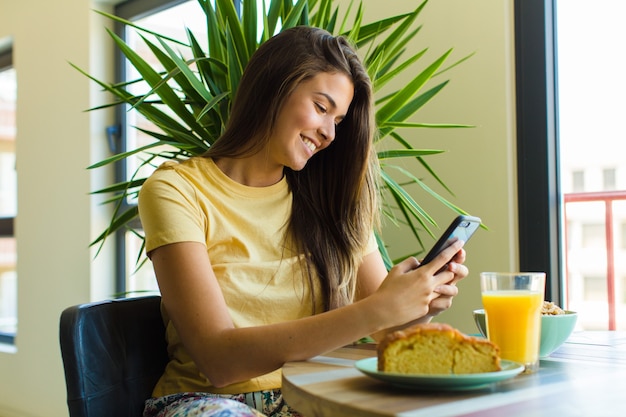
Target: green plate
{"x":450,"y":382}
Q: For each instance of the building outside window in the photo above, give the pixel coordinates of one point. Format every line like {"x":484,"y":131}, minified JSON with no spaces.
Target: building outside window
{"x":8,"y":199}
{"x":578,"y":181}
{"x":592,"y":143}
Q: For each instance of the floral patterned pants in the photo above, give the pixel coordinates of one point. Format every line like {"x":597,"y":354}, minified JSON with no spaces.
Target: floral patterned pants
{"x":201,"y":404}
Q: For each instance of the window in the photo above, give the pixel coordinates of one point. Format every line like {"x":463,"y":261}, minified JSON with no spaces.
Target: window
{"x":609,"y":179}
{"x":168,"y":17}
{"x":537,"y":166}
{"x":564,"y":131}
{"x":8,"y":199}
{"x":578,"y":181}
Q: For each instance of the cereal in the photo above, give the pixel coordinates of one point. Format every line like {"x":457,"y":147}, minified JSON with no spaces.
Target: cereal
{"x":551,"y":309}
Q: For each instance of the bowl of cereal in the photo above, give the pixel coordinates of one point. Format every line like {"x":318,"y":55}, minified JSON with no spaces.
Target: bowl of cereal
{"x":556,"y":326}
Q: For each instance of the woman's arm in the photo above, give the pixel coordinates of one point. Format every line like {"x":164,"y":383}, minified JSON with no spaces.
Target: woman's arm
{"x":225,"y":354}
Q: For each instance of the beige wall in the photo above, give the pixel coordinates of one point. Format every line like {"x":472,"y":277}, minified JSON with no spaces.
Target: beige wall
{"x":479,"y":165}
{"x":56,"y":216}
{"x":57,"y":140}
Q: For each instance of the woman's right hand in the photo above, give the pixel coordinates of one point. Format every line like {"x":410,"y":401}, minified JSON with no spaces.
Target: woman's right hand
{"x":409,"y":291}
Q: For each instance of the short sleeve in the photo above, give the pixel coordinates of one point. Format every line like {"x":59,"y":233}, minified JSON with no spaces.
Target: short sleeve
{"x":169,"y":211}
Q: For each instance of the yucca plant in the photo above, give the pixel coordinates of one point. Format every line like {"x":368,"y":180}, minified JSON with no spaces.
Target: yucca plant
{"x":189,"y":99}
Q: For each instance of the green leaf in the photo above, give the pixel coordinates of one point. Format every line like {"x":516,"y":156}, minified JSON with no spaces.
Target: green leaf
{"x":295,"y":14}
{"x":233,"y":24}
{"x":118,"y":222}
{"x":407,"y":201}
{"x":404,"y":95}
{"x":427,"y":125}
{"x":234,"y":64}
{"x":396,"y":36}
{"x":192,"y":81}
{"x":120,"y":186}
{"x":384,"y":76}
{"x":249,"y":25}
{"x":404,"y":153}
{"x":131,"y":24}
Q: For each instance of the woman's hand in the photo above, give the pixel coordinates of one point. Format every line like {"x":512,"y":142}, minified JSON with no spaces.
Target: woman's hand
{"x":413,"y":292}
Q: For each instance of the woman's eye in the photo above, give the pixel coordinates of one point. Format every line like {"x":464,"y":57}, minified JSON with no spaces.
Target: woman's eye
{"x":321,"y":108}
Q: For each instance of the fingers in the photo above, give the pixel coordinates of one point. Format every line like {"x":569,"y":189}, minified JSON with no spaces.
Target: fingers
{"x":425,"y":291}
{"x":460,"y":271}
{"x":459,"y":257}
{"x":452,"y":253}
{"x":447,"y":290}
{"x":409,"y":264}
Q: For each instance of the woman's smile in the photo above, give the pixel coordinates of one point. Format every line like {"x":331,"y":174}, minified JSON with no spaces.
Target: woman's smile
{"x":309,"y":144}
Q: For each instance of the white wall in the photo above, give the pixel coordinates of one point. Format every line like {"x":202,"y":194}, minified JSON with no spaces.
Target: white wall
{"x":57,"y":140}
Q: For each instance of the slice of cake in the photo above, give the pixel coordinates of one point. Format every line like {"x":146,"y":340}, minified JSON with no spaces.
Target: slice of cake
{"x":436,"y":348}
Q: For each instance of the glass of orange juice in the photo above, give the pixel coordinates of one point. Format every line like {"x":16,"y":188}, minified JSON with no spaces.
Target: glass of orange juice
{"x":512,"y":303}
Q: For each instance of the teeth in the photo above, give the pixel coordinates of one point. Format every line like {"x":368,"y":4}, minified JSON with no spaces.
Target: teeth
{"x":310,"y":144}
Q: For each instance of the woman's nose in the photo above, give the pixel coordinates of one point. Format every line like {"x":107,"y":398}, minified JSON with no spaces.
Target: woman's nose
{"x":327,"y":131}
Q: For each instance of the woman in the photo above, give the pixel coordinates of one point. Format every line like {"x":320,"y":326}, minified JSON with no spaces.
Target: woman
{"x":263,"y":247}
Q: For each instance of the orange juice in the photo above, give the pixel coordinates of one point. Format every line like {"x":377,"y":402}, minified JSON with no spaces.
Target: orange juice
{"x":514,"y":323}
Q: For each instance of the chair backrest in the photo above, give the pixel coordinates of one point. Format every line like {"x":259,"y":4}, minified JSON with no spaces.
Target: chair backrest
{"x":113,"y":354}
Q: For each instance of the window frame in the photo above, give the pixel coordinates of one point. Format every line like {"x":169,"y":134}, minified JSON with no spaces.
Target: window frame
{"x":117,"y":134}
{"x":539,"y":197}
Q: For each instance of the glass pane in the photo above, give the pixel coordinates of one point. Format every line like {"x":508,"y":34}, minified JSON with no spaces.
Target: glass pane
{"x":8,"y":286}
{"x":8,"y":177}
{"x":8,"y":200}
{"x":591,"y":87}
{"x":140,"y":275}
{"x":591,"y":107}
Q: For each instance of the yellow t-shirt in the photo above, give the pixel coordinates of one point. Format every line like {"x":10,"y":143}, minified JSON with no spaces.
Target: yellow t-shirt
{"x":243,"y":229}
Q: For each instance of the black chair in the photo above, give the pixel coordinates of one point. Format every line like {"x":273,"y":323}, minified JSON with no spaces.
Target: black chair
{"x":113,"y":354}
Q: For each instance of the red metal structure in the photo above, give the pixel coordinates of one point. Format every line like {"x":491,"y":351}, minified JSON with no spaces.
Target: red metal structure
{"x":608,"y":197}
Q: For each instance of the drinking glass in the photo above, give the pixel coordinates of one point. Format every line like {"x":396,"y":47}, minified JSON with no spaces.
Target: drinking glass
{"x":512,"y":303}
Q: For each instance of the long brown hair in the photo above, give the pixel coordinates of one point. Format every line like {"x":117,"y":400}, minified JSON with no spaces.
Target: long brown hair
{"x":334,"y":206}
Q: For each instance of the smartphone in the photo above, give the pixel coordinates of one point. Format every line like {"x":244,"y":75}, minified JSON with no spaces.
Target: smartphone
{"x":463,"y":227}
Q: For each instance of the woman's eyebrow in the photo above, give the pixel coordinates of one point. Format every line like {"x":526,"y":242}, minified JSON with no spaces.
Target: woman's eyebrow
{"x":331,"y":101}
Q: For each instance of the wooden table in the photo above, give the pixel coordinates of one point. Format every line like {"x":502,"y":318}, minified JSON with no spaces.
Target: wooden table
{"x":584,"y":377}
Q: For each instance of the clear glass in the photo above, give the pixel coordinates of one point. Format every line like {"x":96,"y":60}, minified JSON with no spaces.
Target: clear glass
{"x":172,"y":23}
{"x":8,"y":131}
{"x":591,"y":157}
{"x":8,"y":200}
{"x":512,"y":303}
{"x":8,"y":286}
{"x":140,"y":275}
